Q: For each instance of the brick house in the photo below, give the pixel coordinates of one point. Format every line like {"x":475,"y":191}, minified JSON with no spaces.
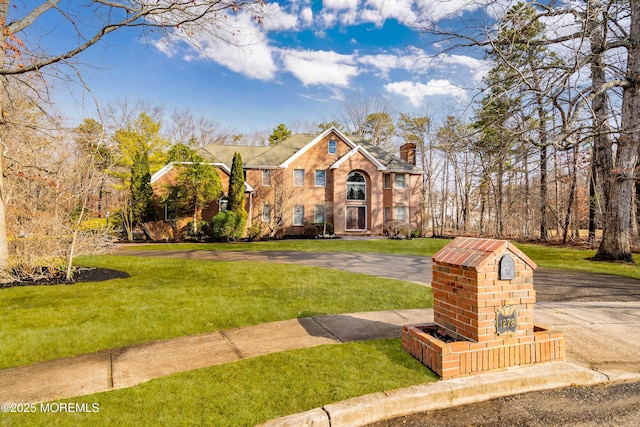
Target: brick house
{"x":318,"y":178}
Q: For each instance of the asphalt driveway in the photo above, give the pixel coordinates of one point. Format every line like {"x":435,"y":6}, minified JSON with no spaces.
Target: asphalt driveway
{"x":551,"y":285}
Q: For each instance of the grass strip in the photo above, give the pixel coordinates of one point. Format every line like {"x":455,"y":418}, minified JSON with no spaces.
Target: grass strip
{"x":166,"y":298}
{"x":417,"y":247}
{"x":249,"y":391}
{"x":544,"y":255}
{"x":577,"y":260}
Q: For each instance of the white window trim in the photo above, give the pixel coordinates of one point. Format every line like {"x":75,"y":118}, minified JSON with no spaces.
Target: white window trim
{"x":322,"y":208}
{"x":366,"y":218}
{"x":166,"y":211}
{"x":220,"y":204}
{"x":293,"y":220}
{"x":384,"y":176}
{"x":335,"y":147}
{"x":405,"y":213}
{"x":364,"y":184}
{"x":316,"y":177}
{"x":404,"y":185}
{"x":294,"y":178}
{"x":266,"y":171}
{"x":264,"y":210}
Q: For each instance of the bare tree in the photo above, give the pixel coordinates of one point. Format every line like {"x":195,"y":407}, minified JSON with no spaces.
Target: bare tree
{"x":357,"y":110}
{"x":187,"y":128}
{"x":26,"y":52}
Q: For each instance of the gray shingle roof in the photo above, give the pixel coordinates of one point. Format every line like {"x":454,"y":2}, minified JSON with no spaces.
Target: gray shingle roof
{"x":258,"y":157}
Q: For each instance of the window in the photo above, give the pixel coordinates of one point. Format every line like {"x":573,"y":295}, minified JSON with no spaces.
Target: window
{"x":400,"y":213}
{"x":224,"y":203}
{"x":298,"y":215}
{"x":321,"y":178}
{"x":298,"y":177}
{"x":318,"y":214}
{"x":387,"y":213}
{"x":266,"y":213}
{"x":356,"y":218}
{"x":387,"y":180}
{"x":333,"y":147}
{"x":170,"y":211}
{"x":266,"y":178}
{"x":356,"y":186}
{"x":399,"y":180}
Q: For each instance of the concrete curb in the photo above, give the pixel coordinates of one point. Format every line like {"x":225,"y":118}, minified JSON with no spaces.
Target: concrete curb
{"x":375,"y":407}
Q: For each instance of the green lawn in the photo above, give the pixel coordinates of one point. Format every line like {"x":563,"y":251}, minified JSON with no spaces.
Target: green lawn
{"x":577,"y":260}
{"x":249,"y":391}
{"x":166,"y":298}
{"x":419,"y":247}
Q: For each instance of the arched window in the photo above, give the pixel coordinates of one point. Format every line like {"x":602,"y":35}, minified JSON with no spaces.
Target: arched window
{"x":356,"y":186}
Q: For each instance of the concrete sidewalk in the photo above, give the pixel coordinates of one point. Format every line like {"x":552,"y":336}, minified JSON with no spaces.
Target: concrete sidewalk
{"x":601,"y":337}
{"x":602,"y":346}
{"x":127,"y":367}
{"x":601,"y":341}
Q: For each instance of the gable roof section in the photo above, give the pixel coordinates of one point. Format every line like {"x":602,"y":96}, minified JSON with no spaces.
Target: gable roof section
{"x":287,"y":151}
{"x":360,"y":149}
{"x":392,"y":163}
{"x":282,"y":153}
{"x":314,"y":141}
{"x":224,"y":153}
{"x":167,"y":168}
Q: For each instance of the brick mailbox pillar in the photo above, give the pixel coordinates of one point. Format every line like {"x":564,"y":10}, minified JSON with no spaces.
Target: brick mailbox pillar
{"x":483,"y":301}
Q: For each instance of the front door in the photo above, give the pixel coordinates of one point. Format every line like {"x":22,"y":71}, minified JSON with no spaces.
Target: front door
{"x":356,"y":218}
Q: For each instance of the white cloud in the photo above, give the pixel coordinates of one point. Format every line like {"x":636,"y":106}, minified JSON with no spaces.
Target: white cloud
{"x":478,"y":67}
{"x":412,"y":60}
{"x":416,"y":92}
{"x":340,"y":4}
{"x":307,"y":15}
{"x":242,"y":47}
{"x":276,"y":19}
{"x":438,"y":10}
{"x":167,"y":46}
{"x":377,"y":11}
{"x":320,"y":67}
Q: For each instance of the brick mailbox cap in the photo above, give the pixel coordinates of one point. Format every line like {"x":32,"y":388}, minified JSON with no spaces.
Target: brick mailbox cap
{"x":474,"y":253}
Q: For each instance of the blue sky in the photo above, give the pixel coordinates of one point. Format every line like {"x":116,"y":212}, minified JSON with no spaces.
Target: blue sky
{"x":301,"y":65}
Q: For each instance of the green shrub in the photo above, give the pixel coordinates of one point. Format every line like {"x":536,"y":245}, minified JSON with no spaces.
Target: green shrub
{"x":320,"y":227}
{"x":254,"y":232}
{"x":228,"y":226}
{"x":310,"y":231}
{"x":202,"y":228}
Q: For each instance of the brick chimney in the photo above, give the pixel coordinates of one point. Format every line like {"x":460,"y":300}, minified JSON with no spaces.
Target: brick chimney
{"x":408,"y":152}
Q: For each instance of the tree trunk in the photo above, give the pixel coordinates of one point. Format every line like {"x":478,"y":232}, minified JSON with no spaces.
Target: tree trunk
{"x":592,"y":199}
{"x":527,"y":197}
{"x":616,"y":239}
{"x":544,"y":233}
{"x":499,"y":177}
{"x":4,"y":238}
{"x":572,"y":192}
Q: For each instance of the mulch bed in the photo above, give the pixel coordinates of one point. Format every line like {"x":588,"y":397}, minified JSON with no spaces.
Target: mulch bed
{"x":82,"y":274}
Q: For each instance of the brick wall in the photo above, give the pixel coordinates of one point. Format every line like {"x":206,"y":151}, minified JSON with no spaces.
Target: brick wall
{"x":468,"y":293}
{"x":450,"y":360}
{"x":467,"y":290}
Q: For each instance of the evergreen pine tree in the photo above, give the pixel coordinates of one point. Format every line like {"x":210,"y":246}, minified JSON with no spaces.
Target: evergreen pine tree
{"x":142,"y":208}
{"x":236,"y":187}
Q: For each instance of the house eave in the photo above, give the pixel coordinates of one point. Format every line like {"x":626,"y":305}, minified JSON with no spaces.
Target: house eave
{"x":314,"y":141}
